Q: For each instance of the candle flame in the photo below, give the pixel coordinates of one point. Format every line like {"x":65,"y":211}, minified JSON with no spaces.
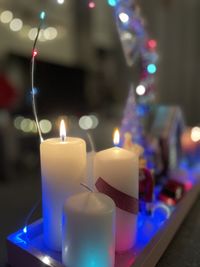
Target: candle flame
{"x":62,"y":130}
{"x":116,"y":137}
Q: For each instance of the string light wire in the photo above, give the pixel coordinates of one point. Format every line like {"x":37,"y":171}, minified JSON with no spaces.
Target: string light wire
{"x":34,"y":54}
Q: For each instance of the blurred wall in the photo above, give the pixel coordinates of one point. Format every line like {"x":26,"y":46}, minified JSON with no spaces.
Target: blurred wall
{"x":175,"y":23}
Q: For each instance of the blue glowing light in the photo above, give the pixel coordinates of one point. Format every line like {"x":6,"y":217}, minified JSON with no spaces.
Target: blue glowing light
{"x":42,"y":15}
{"x":34,"y":91}
{"x":25,"y":229}
{"x":151,"y":68}
{"x":112,"y":2}
{"x":161,"y":213}
{"x":19,"y":240}
{"x":142,"y":109}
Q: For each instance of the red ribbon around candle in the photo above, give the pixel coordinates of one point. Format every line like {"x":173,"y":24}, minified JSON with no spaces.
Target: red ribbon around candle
{"x":122,"y":200}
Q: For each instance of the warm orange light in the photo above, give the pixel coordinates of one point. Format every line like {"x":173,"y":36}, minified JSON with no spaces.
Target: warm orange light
{"x":116,"y":137}
{"x":62,"y":130}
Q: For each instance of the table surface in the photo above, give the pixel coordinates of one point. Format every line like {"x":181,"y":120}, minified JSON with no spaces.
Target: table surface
{"x":16,"y":198}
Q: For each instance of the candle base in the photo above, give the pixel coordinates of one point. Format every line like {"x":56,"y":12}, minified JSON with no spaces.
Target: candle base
{"x":153,"y":238}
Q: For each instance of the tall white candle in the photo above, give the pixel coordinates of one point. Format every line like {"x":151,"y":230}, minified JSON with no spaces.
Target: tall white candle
{"x":63,"y":165}
{"x":89,"y":231}
{"x":119,"y":169}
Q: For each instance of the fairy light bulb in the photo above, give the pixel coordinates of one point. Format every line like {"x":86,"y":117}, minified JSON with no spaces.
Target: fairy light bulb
{"x":25,"y":229}
{"x":35,"y":53}
{"x":42,"y":15}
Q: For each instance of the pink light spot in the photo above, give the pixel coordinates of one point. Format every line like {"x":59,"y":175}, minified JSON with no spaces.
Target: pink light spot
{"x":35,"y":52}
{"x":188,"y":186}
{"x":91,"y":5}
{"x":152,"y":44}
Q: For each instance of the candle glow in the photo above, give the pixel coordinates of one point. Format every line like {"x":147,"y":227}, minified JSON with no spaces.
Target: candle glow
{"x":116,"y":137}
{"x":63,"y":131}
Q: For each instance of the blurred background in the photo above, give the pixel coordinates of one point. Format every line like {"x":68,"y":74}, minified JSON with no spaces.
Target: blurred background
{"x":80,"y":75}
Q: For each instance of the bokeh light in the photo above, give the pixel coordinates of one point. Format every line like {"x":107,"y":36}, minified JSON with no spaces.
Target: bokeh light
{"x":112,"y":3}
{"x":91,"y":4}
{"x":16,"y":25}
{"x":6,"y":16}
{"x":195,"y":134}
{"x":17,"y":122}
{"x":151,"y":68}
{"x":60,"y":2}
{"x":85,"y":122}
{"x":26,"y":125}
{"x":140,"y":90}
{"x":123,"y":17}
{"x":32,"y":33}
{"x":50,"y":33}
{"x":152,"y":44}
{"x":45,"y":126}
{"x":95,"y":121}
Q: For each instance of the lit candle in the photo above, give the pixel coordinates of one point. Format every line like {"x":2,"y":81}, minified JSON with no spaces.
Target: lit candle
{"x":63,"y":165}
{"x":116,"y":172}
{"x":89,"y":231}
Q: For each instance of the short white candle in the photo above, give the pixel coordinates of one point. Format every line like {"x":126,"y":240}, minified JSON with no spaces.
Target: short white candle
{"x":89,"y":231}
{"x":119,"y":168}
{"x":63,"y":165}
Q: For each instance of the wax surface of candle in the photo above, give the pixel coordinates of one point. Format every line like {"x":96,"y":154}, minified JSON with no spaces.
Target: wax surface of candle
{"x":89,"y":231}
{"x":119,"y":168}
{"x":63,"y":167}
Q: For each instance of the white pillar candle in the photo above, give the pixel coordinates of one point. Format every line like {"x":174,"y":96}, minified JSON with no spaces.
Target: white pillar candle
{"x":63,"y":165}
{"x":89,"y":231}
{"x":119,"y":169}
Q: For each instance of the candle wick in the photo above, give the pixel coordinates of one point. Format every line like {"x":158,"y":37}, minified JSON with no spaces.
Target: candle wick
{"x":63,"y":138}
{"x":87,"y":187}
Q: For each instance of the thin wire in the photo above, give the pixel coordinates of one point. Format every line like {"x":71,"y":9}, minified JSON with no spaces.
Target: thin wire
{"x":91,"y":142}
{"x":32,"y":82}
{"x":30,"y":215}
{"x":87,"y":187}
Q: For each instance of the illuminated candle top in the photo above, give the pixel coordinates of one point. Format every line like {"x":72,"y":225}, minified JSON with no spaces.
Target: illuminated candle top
{"x":62,"y":131}
{"x":116,"y":137}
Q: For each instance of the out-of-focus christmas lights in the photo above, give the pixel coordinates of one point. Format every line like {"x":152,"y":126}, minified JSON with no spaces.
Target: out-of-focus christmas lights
{"x":6,"y":16}
{"x":17,"y":25}
{"x":151,"y":68}
{"x":135,"y":42}
{"x":195,"y":134}
{"x":124,"y":17}
{"x":112,"y":2}
{"x":34,"y":54}
{"x":60,"y":2}
{"x":42,"y":15}
{"x":152,"y":44}
{"x":91,"y":4}
{"x":140,"y":90}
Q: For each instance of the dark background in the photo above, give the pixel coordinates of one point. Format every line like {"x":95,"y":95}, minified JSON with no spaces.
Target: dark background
{"x":83,"y":72}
